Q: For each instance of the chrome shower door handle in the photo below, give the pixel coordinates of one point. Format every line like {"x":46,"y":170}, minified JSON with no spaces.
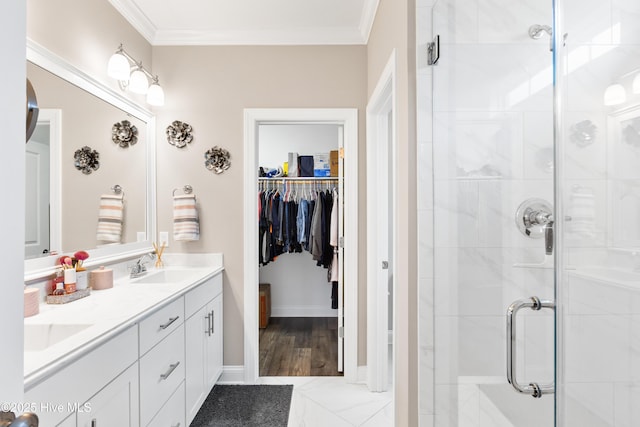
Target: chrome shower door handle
{"x":534,"y":389}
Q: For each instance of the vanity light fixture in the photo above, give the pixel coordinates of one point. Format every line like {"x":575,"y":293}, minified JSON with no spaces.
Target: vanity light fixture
{"x":615,"y":94}
{"x":132,"y":75}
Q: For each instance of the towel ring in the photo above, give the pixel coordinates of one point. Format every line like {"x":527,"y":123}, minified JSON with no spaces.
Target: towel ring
{"x":187,"y":189}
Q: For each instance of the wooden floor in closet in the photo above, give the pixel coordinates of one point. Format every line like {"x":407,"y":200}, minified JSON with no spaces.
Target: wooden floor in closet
{"x":299,"y":346}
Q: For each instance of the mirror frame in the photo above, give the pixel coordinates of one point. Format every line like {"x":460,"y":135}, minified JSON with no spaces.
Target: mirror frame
{"x":39,"y":268}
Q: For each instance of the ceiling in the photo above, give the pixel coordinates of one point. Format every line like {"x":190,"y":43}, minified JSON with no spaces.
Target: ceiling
{"x":250,"y":22}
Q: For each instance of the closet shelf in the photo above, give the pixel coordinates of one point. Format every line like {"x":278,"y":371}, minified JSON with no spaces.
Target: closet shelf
{"x":300,"y":179}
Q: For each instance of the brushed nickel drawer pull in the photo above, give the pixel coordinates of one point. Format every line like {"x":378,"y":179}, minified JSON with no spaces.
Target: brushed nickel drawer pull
{"x":170,"y":371}
{"x":177,"y":425}
{"x":208,"y":330}
{"x":171,"y":320}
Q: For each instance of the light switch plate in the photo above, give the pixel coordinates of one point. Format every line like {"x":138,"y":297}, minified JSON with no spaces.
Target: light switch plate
{"x":164,"y":238}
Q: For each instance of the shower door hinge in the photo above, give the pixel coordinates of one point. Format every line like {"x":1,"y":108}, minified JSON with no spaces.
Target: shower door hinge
{"x":341,"y":332}
{"x":433,"y":50}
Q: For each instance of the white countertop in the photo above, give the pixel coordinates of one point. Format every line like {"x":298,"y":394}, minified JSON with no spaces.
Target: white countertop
{"x":108,"y":312}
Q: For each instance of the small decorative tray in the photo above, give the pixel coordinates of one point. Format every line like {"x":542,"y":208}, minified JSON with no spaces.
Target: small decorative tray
{"x":63,"y":299}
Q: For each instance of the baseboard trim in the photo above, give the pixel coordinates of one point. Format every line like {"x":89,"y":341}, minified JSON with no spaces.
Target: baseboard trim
{"x":303,"y":311}
{"x":232,"y":374}
{"x":362,"y":375}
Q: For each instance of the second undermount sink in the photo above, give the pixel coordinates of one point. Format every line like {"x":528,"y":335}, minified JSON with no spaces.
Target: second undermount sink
{"x":165,"y":276}
{"x":38,"y":337}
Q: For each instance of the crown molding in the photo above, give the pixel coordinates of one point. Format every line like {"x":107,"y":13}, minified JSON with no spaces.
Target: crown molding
{"x":367,"y":18}
{"x":282,"y":36}
{"x":300,"y":36}
{"x":138,"y":20}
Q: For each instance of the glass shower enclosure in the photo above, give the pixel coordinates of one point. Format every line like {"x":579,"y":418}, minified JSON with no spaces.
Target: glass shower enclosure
{"x":536,"y":213}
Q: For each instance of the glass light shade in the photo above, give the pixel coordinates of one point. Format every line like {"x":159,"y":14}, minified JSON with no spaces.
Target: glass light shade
{"x":118,"y":67}
{"x":138,"y":82}
{"x":615,"y":94}
{"x":636,"y":84}
{"x":155,"y":95}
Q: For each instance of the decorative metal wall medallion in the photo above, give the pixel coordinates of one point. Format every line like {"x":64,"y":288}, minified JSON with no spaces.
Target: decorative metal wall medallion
{"x":87,"y":160}
{"x":583,"y":133}
{"x":217,"y":159}
{"x":124,"y":134}
{"x":179,"y":134}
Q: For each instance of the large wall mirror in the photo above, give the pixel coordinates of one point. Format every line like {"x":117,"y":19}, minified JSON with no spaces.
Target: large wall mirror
{"x":63,"y":202}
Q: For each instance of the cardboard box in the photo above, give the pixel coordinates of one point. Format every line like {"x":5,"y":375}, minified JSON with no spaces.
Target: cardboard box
{"x":264,"y":304}
{"x":333,"y":162}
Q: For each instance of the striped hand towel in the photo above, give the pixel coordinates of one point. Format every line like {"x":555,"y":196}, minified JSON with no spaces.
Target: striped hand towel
{"x":110,"y":218}
{"x":186,"y":225}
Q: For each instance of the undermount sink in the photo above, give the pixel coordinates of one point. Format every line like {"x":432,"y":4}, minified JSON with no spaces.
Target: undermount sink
{"x":165,"y":276}
{"x":38,"y":337}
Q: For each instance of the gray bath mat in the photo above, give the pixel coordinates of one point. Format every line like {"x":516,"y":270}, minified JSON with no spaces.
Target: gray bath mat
{"x":245,"y":406}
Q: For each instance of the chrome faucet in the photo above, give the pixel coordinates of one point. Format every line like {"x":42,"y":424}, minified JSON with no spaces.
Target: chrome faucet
{"x":139,"y":269}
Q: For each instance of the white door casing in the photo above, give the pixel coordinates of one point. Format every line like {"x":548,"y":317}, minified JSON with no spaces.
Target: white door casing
{"x":43,"y":216}
{"x":381,"y":208}
{"x":348,"y":119}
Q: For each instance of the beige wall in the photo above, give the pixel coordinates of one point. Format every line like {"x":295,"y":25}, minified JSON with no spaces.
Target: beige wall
{"x":209,"y":87}
{"x":394,"y":28}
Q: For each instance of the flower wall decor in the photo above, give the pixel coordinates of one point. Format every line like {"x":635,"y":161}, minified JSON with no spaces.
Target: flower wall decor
{"x":179,"y":134}
{"x":124,"y":133}
{"x":87,"y":160}
{"x":217,"y":159}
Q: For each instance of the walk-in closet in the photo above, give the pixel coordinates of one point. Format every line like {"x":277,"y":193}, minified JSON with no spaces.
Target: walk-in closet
{"x":300,"y":217}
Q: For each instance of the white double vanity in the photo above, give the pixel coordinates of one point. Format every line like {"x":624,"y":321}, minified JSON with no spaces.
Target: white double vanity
{"x":146,"y":352}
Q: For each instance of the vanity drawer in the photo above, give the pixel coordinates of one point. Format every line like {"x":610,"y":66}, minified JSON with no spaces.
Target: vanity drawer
{"x":172,"y":413}
{"x":161,"y":372}
{"x":160,"y":324}
{"x":198,"y":297}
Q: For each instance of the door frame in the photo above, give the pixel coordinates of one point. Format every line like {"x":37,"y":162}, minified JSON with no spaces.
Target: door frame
{"x":53,"y":118}
{"x":381,"y":135}
{"x":348,"y":118}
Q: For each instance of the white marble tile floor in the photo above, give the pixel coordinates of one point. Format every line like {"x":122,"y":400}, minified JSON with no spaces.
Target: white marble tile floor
{"x":331,"y":401}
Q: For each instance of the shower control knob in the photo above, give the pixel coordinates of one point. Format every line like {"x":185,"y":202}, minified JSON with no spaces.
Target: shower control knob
{"x":532,"y":217}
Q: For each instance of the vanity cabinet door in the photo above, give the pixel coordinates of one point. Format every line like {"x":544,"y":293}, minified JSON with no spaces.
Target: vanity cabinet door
{"x":196,"y":329}
{"x":214,"y":342}
{"x":203,"y":344}
{"x":114,"y":405}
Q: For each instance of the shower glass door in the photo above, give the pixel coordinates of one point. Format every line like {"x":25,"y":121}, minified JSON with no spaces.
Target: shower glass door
{"x":598,"y":201}
{"x":492,"y":150}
